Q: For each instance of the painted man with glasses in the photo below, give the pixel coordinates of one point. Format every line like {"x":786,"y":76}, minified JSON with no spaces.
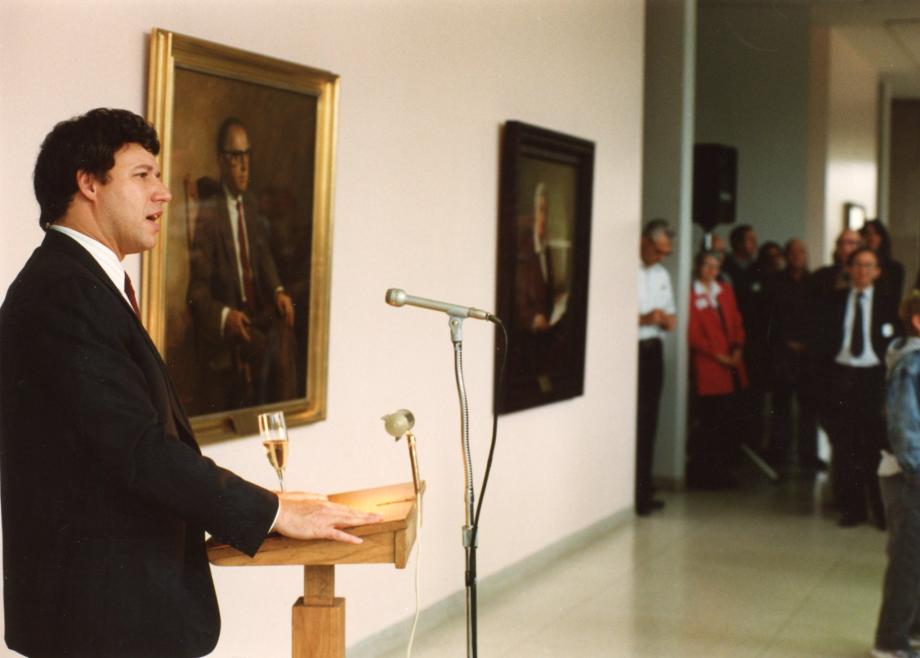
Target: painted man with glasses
{"x":243,"y":315}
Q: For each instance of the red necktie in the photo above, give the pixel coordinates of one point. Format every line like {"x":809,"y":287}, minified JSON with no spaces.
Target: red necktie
{"x":129,"y":291}
{"x":248,"y":286}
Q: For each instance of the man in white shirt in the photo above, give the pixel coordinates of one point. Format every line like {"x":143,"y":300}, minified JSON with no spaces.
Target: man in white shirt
{"x":657,"y":316}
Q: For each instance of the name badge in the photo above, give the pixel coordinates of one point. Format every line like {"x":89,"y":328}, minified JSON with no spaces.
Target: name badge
{"x":701,"y":303}
{"x":887,"y":330}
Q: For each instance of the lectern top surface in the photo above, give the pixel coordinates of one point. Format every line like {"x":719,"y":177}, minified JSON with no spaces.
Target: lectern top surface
{"x":387,"y":541}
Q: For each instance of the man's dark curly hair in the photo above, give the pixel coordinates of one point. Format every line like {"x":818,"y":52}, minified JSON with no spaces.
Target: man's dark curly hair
{"x":86,"y":143}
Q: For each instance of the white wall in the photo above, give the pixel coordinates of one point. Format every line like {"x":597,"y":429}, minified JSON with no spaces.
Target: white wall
{"x":843,"y":135}
{"x":425,"y":87}
{"x":852,"y":149}
{"x":752,"y":93}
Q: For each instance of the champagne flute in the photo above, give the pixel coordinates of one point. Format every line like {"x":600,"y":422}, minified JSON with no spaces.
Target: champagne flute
{"x":275,"y":441}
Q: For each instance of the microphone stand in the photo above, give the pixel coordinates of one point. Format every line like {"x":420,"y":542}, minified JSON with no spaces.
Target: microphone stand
{"x":469,"y":533}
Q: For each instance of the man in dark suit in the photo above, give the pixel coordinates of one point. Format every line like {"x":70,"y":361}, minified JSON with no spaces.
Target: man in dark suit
{"x":738,"y":268}
{"x":788,"y":314}
{"x":747,"y":284}
{"x":105,"y":494}
{"x":853,"y":330}
{"x":243,"y":315}
{"x":825,"y":280}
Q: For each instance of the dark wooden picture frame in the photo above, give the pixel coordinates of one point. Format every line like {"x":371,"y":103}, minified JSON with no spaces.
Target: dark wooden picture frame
{"x":544,"y":245}
{"x":252,"y":137}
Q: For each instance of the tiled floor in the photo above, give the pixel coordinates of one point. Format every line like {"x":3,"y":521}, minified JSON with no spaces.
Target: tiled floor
{"x":761,"y":572}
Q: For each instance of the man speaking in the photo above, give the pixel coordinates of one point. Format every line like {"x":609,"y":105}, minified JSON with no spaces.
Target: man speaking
{"x":105,"y":494}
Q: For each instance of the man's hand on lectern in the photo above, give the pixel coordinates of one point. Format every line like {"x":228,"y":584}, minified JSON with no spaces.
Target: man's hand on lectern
{"x":312,"y":516}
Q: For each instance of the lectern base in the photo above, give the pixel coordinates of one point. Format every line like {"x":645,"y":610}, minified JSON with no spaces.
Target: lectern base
{"x":318,"y":617}
{"x":318,"y":630}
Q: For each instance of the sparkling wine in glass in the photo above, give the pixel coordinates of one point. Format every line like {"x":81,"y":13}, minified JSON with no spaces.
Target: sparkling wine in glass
{"x":275,"y":440}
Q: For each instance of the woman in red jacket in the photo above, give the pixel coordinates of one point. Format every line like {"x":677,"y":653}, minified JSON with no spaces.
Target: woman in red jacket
{"x":716,"y":337}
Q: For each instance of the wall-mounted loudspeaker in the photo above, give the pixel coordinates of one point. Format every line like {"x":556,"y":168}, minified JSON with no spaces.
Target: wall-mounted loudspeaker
{"x":715,"y":184}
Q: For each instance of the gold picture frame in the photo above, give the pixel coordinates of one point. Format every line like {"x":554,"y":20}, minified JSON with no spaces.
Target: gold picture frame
{"x":199,"y":93}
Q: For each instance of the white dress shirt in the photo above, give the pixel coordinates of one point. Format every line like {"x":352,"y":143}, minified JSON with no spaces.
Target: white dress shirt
{"x":868,"y":358}
{"x":539,"y":248}
{"x":654,"y":292}
{"x":106,"y":258}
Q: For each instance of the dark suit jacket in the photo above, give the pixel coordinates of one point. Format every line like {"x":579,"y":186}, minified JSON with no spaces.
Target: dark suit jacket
{"x":105,"y":494}
{"x":825,"y":281}
{"x":828,"y":337}
{"x":533,"y":294}
{"x":214,"y":284}
{"x":213,"y":279}
{"x":746,"y":284}
{"x":891,"y":281}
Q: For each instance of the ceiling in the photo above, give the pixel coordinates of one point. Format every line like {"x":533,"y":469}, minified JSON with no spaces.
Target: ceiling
{"x":886,"y":32}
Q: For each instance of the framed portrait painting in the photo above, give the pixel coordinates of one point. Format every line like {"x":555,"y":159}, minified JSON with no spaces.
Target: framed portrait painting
{"x":543,"y":257}
{"x":236,"y":293}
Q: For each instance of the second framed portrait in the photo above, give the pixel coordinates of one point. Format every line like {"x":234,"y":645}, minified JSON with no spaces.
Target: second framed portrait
{"x":236,"y":294}
{"x":543,"y":253}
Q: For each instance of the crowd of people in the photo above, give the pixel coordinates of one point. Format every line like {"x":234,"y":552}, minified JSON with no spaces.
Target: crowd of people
{"x":776,"y":350}
{"x":814,"y":343}
{"x":839,"y":348}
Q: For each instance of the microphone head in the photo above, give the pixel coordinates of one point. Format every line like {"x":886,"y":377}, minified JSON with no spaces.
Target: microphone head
{"x":398,"y":422}
{"x":396,"y":297}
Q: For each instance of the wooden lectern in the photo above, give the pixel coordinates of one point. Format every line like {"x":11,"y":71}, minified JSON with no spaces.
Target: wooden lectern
{"x":318,"y":618}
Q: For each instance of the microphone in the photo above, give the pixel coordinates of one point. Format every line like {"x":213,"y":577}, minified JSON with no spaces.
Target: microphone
{"x":398,"y":297}
{"x":398,"y":423}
